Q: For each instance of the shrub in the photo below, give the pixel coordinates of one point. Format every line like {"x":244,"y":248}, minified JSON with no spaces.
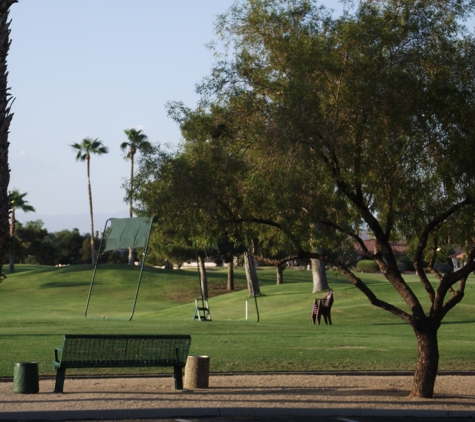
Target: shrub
{"x":443,"y":267}
{"x":406,"y":261}
{"x":367,"y":266}
{"x":117,"y":257}
{"x":402,"y":267}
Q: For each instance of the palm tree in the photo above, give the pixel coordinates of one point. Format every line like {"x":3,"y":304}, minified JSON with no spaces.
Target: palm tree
{"x":138,"y":141}
{"x":84,"y":150}
{"x":17,"y":201}
{"x":5,"y":119}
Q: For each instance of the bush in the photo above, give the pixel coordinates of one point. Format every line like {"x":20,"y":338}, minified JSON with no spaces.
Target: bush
{"x":219,"y":262}
{"x":406,"y":261}
{"x":443,"y":268}
{"x":402,"y":267}
{"x":117,"y":257}
{"x":367,"y":266}
{"x":62,"y":260}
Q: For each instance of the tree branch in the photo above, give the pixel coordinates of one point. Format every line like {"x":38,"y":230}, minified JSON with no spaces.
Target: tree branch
{"x":431,"y":227}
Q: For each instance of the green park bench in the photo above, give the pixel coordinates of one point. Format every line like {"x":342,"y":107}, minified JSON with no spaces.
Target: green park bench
{"x":118,"y":351}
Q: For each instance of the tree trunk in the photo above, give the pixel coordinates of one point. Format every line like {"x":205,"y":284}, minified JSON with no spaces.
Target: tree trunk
{"x":12,"y":239}
{"x":427,"y":362}
{"x":203,"y":277}
{"x":251,"y":274}
{"x":131,"y":211}
{"x":5,"y":119}
{"x":167,"y":265}
{"x":230,"y":286}
{"x":280,"y":273}
{"x":319,"y":275}
{"x":131,"y":260}
{"x":91,"y":213}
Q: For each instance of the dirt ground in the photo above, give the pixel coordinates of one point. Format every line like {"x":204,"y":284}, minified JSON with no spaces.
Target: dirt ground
{"x":243,"y":391}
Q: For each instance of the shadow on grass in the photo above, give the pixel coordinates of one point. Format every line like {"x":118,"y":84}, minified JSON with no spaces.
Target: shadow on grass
{"x":56,"y":284}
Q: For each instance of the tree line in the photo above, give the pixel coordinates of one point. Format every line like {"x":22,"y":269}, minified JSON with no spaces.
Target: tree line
{"x":33,"y":244}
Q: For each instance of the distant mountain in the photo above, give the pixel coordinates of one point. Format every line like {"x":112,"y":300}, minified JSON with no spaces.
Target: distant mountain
{"x":55,"y":223}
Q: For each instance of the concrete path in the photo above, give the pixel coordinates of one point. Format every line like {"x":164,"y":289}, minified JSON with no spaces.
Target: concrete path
{"x":263,"y":395}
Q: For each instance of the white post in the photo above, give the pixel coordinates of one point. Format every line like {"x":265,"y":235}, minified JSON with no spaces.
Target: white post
{"x":247,"y":309}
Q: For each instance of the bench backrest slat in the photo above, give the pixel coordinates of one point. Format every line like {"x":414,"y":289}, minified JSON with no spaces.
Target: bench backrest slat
{"x":125,"y":349}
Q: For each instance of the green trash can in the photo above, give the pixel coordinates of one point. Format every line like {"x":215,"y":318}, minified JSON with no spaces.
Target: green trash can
{"x":25,"y":378}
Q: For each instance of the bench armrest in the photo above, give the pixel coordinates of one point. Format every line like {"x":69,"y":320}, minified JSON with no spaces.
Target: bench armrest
{"x":56,"y":354}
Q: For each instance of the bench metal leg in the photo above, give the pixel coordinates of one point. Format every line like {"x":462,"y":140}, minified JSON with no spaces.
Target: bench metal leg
{"x":178,"y":375}
{"x":60,"y":375}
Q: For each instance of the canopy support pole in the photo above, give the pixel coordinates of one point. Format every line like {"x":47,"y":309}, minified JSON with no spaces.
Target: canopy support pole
{"x":145,"y":246}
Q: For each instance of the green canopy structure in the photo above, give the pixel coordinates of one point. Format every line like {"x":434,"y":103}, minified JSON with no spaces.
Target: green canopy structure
{"x":123,"y":233}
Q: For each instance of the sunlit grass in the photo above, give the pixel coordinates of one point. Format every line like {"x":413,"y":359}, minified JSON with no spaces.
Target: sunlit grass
{"x":40,"y":304}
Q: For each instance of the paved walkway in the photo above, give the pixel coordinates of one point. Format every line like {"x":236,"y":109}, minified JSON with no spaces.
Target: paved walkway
{"x":280,"y":395}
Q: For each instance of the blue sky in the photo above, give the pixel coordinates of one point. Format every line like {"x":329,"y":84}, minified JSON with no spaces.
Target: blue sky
{"x":93,"y":68}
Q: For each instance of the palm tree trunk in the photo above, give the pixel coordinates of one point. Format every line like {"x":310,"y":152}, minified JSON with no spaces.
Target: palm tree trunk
{"x":91,"y":213}
{"x":5,"y":119}
{"x":131,"y":189}
{"x":131,"y":214}
{"x":12,"y":239}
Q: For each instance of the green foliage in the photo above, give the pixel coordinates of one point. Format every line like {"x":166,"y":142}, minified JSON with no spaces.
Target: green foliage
{"x":17,"y":201}
{"x":85,"y":251}
{"x":405,"y":263}
{"x":117,"y":257}
{"x":367,"y":266}
{"x":35,"y":245}
{"x":169,"y":245}
{"x":88,"y":147}
{"x":313,"y":126}
{"x":68,"y":245}
{"x":443,"y":267}
{"x":137,"y":141}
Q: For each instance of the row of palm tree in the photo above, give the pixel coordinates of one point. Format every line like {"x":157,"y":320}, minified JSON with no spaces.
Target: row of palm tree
{"x":137,"y":141}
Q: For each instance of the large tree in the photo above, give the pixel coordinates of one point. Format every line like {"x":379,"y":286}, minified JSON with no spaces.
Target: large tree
{"x":17,"y":201}
{"x":5,"y":119}
{"x":83,"y":151}
{"x":364,"y":120}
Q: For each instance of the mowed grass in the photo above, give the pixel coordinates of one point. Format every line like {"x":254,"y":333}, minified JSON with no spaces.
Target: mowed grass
{"x":40,"y":304}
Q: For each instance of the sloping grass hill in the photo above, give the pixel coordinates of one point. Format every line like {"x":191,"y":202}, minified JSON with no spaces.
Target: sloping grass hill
{"x":39,"y":304}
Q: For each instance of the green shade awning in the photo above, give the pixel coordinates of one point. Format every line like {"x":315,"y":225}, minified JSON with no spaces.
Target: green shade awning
{"x":123,"y":233}
{"x":127,"y":233}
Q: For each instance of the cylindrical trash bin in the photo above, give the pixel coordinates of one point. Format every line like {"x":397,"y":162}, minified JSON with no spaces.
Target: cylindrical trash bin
{"x":197,"y":372}
{"x":25,"y":378}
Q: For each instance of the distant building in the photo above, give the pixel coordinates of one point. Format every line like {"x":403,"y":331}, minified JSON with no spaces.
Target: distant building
{"x":458,"y":259}
{"x":399,"y":248}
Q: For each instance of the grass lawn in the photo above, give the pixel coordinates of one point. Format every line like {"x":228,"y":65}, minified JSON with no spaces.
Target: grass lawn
{"x":39,"y":304}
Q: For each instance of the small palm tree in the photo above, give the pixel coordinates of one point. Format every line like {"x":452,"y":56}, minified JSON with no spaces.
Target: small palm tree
{"x":138,"y":141}
{"x":17,"y":202}
{"x":84,"y":150}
